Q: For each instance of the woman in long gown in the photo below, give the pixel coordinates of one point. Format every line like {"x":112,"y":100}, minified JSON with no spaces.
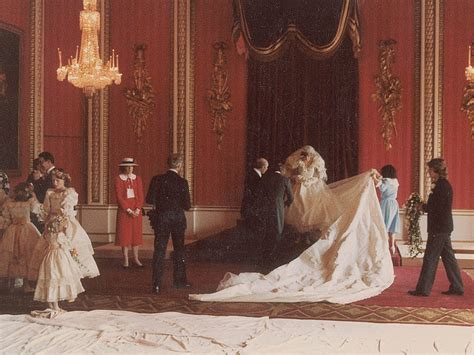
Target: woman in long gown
{"x":69,"y":254}
{"x":21,"y":238}
{"x":315,"y":206}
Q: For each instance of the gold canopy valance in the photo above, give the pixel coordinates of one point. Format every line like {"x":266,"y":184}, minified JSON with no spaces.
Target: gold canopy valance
{"x":265,"y":29}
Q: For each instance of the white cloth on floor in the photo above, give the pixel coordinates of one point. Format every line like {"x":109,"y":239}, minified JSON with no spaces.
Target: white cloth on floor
{"x":104,"y":331}
{"x":353,"y":262}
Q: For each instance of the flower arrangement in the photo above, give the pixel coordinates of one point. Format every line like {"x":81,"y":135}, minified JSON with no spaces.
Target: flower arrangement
{"x":413,"y":223}
{"x":57,"y":224}
{"x":75,"y":257}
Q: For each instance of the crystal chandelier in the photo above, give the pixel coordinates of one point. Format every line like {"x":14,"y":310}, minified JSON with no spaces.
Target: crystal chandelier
{"x":86,"y":70}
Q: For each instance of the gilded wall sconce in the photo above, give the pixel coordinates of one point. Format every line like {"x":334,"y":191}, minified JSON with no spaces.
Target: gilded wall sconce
{"x":140,"y":98}
{"x":467,"y":104}
{"x":219,"y":95}
{"x":388,"y":93}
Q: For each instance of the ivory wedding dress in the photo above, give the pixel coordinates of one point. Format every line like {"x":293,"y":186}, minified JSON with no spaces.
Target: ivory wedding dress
{"x":351,"y":264}
{"x":314,"y":207}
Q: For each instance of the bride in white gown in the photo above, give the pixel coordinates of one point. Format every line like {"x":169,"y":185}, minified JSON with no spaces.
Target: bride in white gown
{"x":352,"y":262}
{"x":315,"y":207}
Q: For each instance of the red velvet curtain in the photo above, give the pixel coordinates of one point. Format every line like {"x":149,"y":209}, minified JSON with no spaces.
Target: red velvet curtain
{"x":297,"y":100}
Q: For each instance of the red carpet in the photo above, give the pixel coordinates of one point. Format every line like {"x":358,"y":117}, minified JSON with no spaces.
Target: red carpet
{"x":406,"y":279}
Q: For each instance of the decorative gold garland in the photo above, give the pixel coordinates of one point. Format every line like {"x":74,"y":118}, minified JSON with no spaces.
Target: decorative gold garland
{"x":140,"y":98}
{"x":219,"y":95}
{"x":388,"y":91}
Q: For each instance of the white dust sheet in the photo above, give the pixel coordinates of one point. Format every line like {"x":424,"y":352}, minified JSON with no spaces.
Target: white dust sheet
{"x":105,"y":331}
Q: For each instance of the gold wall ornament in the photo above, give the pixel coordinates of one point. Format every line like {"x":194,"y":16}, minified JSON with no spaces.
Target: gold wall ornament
{"x":467,"y":104}
{"x":140,"y":98}
{"x":86,"y":70}
{"x":388,"y":91}
{"x":219,"y":95}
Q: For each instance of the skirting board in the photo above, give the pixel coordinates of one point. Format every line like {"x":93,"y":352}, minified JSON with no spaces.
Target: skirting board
{"x":99,"y":221}
{"x":204,"y":221}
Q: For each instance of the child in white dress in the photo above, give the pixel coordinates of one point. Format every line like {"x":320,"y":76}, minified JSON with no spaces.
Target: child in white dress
{"x":62,"y":268}
{"x":21,"y":238}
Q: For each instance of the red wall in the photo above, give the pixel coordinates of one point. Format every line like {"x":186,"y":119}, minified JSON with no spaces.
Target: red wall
{"x":219,"y":172}
{"x":65,"y":126}
{"x":14,"y":15}
{"x":382,"y":20}
{"x":458,"y":146}
{"x":136,"y":22}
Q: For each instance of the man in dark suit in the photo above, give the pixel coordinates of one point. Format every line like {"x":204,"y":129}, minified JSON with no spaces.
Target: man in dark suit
{"x":46,"y":161}
{"x":249,"y":208}
{"x":275,"y":194}
{"x":440,"y":226}
{"x":169,"y":194}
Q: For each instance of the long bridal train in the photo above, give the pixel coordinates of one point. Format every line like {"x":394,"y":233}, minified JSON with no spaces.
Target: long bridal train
{"x":352,"y":263}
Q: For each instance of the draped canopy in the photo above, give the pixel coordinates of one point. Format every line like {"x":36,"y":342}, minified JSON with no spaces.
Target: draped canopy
{"x":302,"y":79}
{"x":269,"y":27}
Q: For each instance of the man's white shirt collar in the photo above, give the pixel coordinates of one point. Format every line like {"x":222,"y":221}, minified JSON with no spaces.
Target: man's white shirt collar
{"x":258,"y":172}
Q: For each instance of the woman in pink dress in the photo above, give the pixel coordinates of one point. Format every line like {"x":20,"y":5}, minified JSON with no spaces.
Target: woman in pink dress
{"x":129,"y":193}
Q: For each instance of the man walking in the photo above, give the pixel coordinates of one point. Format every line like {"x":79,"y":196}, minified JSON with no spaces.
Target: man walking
{"x":169,"y":194}
{"x":440,"y":226}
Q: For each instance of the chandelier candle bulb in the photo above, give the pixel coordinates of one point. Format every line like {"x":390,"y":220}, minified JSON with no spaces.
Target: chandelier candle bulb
{"x":469,"y":58}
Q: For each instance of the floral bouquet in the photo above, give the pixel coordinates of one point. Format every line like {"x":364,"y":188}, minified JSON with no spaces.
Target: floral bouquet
{"x":57,"y":224}
{"x":75,"y":257}
{"x":413,"y":223}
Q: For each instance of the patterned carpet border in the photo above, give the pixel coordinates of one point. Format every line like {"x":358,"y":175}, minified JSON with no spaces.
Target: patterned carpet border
{"x":324,"y":311}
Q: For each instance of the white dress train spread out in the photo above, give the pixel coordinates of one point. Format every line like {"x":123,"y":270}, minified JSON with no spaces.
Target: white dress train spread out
{"x":351,"y":264}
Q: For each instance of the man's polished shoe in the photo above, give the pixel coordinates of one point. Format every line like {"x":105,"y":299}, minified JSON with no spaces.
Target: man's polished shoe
{"x":417,"y":293}
{"x":452,"y":292}
{"x":156,"y":290}
{"x":184,"y":284}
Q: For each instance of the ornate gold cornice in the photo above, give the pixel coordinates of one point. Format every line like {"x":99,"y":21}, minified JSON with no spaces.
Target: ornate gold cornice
{"x":36,"y":116}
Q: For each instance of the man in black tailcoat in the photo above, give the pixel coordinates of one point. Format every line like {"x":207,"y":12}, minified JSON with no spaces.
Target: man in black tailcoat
{"x":46,"y":161}
{"x":249,"y":208}
{"x":440,"y":226}
{"x":275,"y":194}
{"x":169,"y":194}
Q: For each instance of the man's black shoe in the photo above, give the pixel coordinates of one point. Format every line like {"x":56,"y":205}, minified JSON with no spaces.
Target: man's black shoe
{"x":182,"y":285}
{"x":156,"y":290}
{"x":452,"y":292}
{"x":417,"y":293}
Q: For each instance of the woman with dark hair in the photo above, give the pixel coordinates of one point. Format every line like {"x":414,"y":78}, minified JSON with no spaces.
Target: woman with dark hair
{"x":129,"y":193}
{"x":388,"y":184}
{"x":440,"y":226}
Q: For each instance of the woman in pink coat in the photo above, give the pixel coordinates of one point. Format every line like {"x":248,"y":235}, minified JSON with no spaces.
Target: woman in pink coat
{"x":129,"y":193}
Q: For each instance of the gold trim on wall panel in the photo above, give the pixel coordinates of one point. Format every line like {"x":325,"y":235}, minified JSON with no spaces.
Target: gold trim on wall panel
{"x":431,"y":92}
{"x":36,"y":120}
{"x":415,"y":183}
{"x":189,"y":171}
{"x":440,"y":83}
{"x":97,"y":125}
{"x":183,"y":86}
